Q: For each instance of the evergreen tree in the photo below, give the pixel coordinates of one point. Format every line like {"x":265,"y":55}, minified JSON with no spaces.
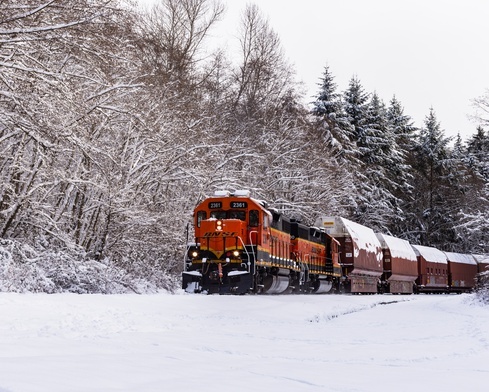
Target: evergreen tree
{"x":355,"y":103}
{"x":328,"y":101}
{"x":374,"y":141}
{"x":332,"y":120}
{"x":458,"y":176}
{"x":473,"y":217}
{"x":432,"y":205}
{"x":400,"y":168}
{"x":401,"y":125}
{"x":478,"y":153}
{"x":378,"y":206}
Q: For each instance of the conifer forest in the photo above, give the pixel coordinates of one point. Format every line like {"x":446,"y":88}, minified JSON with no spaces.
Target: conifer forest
{"x":115,"y":122}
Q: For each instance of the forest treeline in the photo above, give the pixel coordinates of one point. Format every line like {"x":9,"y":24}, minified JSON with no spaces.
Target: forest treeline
{"x":115,"y":121}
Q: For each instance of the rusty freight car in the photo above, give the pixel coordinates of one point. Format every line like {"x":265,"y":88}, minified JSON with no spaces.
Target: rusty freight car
{"x":400,"y":265}
{"x":360,"y":253}
{"x":432,"y":270}
{"x":462,"y":269}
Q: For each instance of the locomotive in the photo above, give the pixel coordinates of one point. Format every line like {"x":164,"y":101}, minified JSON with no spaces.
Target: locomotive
{"x":241,"y":245}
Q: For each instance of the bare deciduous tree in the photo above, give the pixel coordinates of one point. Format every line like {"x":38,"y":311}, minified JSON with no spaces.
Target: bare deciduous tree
{"x":174,"y":32}
{"x":263,"y":77}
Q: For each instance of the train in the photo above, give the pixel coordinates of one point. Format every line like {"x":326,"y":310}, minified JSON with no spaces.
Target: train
{"x":242,"y":246}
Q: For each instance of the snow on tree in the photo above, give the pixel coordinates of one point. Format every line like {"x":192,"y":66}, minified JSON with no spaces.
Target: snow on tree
{"x":377,"y":151}
{"x":332,"y":119}
{"x":356,"y":103}
{"x":473,"y":215}
{"x":434,"y":201}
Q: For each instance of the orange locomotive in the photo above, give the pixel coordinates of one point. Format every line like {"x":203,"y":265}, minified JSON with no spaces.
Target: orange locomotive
{"x":242,"y":246}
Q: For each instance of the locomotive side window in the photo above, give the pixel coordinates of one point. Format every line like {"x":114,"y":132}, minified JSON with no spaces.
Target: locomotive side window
{"x":201,"y":215}
{"x":254,"y":218}
{"x":265,"y":221}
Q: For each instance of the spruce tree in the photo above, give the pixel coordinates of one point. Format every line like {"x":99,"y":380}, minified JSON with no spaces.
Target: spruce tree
{"x":432,"y":204}
{"x":332,"y":119}
{"x":473,"y":218}
{"x":327,"y":102}
{"x":378,"y":205}
{"x":478,"y":153}
{"x":355,"y":103}
{"x":400,"y":168}
{"x":401,"y":125}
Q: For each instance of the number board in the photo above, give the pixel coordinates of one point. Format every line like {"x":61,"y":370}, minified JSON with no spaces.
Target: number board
{"x":239,"y":204}
{"x":215,"y":204}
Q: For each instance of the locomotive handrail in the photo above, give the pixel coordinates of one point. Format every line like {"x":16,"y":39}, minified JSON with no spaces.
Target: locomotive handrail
{"x":247,"y":254}
{"x":252,"y":248}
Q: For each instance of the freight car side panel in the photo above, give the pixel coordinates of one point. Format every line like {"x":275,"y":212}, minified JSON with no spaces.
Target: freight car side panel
{"x":400,"y":264}
{"x":462,"y":276}
{"x":461,"y":271}
{"x":432,"y":269}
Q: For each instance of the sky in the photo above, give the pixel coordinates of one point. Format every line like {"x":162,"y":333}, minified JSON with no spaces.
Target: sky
{"x":263,"y":343}
{"x":428,"y":53}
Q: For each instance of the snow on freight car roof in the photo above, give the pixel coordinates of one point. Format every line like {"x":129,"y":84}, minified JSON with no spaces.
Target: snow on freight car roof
{"x":461,"y":258}
{"x":363,"y":237}
{"x":430,"y":254}
{"x":482,"y":259}
{"x":398,"y":247}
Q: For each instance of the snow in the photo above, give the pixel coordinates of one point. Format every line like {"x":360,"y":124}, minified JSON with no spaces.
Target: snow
{"x":431,"y":254}
{"x":363,"y":237}
{"x":398,"y":247}
{"x":481,"y":259}
{"x":339,"y":343}
{"x":461,"y":258}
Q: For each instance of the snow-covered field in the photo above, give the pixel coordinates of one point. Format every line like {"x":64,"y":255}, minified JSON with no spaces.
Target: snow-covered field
{"x":163,"y":342}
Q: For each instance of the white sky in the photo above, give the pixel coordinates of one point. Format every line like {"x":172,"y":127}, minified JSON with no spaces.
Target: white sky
{"x":429,"y":53}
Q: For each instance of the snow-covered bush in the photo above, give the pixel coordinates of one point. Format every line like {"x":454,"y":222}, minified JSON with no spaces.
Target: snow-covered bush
{"x":482,"y":287}
{"x":24,"y":268}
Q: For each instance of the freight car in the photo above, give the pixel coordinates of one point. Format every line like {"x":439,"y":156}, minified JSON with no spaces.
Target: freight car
{"x":241,"y":245}
{"x":361,"y":255}
{"x":400,"y":265}
{"x":462,"y":268}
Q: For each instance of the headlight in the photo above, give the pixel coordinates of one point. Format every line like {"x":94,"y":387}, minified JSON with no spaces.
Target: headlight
{"x":194,"y":253}
{"x":236,"y":253}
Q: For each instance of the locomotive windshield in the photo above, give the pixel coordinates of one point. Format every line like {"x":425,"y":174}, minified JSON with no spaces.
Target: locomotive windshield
{"x":229,"y":214}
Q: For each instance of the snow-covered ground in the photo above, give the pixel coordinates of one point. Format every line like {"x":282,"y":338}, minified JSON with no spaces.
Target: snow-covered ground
{"x":163,"y":342}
